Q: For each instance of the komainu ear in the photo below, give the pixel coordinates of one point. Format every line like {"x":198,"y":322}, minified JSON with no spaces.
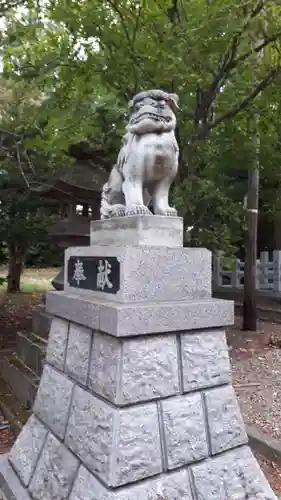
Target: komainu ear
{"x":174,"y":98}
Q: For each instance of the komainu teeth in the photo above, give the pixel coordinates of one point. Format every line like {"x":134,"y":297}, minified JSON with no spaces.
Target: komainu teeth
{"x":151,"y":116}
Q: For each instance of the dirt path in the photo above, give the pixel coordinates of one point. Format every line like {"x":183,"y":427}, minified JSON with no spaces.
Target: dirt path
{"x":273,"y":473}
{"x":256,"y":369}
{"x":15,"y":315}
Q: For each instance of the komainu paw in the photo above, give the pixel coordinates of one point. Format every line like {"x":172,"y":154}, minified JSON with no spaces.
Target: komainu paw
{"x":137,"y":210}
{"x":170,"y":212}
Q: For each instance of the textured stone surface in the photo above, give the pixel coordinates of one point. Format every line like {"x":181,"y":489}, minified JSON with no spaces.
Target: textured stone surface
{"x":138,"y":230}
{"x":137,"y":444}
{"x":149,"y":368}
{"x":205,"y":360}
{"x":87,"y":487}
{"x":184,"y":430}
{"x":151,"y":273}
{"x":140,"y":319}
{"x":120,"y":446}
{"x":165,"y":317}
{"x":57,"y":343}
{"x":129,"y":453}
{"x":73,"y":308}
{"x":226,"y":425}
{"x":235,"y":476}
{"x":55,"y":472}
{"x":105,"y":360}
{"x":53,"y":400}
{"x":26,"y":450}
{"x":174,"y":486}
{"x":90,"y":432}
{"x":78,"y":352}
{"x":10,"y":485}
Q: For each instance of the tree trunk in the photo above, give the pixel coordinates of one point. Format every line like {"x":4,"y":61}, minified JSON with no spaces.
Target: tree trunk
{"x":250,"y":271}
{"x":16,"y":257}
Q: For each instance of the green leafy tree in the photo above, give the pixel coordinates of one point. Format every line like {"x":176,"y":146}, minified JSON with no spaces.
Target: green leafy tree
{"x":23,"y":221}
{"x":88,"y":58}
{"x":95,"y":51}
{"x":23,"y":218}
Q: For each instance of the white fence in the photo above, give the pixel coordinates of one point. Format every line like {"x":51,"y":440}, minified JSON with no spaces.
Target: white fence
{"x":268,"y":273}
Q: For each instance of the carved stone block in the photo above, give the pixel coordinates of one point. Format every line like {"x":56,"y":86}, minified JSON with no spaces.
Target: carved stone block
{"x":109,"y":441}
{"x":78,"y":352}
{"x":57,"y":343}
{"x":205,"y":360}
{"x":25,"y":452}
{"x":143,"y":274}
{"x":235,"y":474}
{"x":226,"y":425}
{"x":90,"y":432}
{"x":55,"y":472}
{"x":53,"y":400}
{"x":134,"y":370}
{"x":184,"y":430}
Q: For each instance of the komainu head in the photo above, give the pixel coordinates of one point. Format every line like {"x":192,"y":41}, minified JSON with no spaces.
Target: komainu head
{"x":152,"y":111}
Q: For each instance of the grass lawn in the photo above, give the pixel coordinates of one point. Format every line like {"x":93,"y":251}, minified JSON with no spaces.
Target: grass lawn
{"x":33,"y":280}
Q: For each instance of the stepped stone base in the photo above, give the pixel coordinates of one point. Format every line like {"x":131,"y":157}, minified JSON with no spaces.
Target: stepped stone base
{"x":138,"y":417}
{"x":136,"y":400}
{"x":137,"y":230}
{"x":31,"y":350}
{"x":20,"y":373}
{"x":11,"y":409}
{"x":41,"y":323}
{"x":21,"y":380}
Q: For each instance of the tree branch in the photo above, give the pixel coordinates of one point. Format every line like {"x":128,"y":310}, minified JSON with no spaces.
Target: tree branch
{"x":114,"y":6}
{"x":245,"y":103}
{"x":228,"y":57}
{"x":136,"y":25}
{"x":20,"y":166}
{"x":229,"y":62}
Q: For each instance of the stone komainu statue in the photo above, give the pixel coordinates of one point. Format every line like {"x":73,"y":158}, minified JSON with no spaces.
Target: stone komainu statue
{"x":148,"y":161}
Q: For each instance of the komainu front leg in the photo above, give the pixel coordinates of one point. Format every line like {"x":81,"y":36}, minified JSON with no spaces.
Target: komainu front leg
{"x":133,"y":192}
{"x":160,"y":199}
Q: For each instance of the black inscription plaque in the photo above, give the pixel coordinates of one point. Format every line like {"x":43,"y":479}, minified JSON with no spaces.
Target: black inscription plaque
{"x":100,"y":274}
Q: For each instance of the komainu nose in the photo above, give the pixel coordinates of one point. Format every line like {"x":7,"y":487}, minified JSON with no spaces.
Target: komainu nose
{"x":161,"y":104}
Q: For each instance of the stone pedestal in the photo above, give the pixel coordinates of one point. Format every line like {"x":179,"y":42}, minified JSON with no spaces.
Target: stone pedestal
{"x":136,"y":401}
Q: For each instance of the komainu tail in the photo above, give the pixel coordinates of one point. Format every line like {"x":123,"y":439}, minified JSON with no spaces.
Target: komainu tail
{"x":111,"y":196}
{"x":105,"y":207}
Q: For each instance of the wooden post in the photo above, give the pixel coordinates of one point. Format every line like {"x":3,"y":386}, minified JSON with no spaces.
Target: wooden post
{"x":250,"y":269}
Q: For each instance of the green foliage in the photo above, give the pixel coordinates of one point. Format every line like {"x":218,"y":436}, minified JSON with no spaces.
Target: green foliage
{"x":23,"y":218}
{"x":73,"y":66}
{"x":215,"y":218}
{"x":89,"y":55}
{"x":42,"y":253}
